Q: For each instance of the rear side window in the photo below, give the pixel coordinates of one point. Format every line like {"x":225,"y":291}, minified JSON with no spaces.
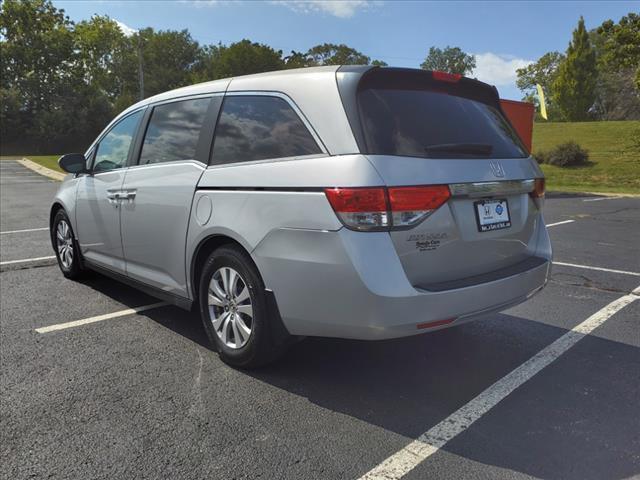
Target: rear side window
{"x":173,"y":131}
{"x":429,"y":122}
{"x":258,"y":128}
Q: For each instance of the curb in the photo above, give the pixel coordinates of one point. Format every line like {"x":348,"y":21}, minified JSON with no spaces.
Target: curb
{"x":47,"y":172}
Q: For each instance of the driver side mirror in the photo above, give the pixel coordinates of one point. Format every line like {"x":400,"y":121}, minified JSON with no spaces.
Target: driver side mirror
{"x":73,"y":163}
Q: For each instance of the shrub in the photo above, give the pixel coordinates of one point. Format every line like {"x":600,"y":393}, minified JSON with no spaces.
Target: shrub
{"x":568,"y":154}
{"x":541,"y":156}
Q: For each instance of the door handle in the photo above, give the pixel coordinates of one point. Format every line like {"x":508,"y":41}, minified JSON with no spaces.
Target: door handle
{"x":112,"y":197}
{"x":128,"y":195}
{"x":115,"y":196}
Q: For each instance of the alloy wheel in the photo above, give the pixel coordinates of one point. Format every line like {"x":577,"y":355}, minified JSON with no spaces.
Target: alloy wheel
{"x":64,"y":242}
{"x":230,"y":307}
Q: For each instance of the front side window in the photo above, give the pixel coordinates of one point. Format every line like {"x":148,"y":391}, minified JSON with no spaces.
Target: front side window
{"x":113,"y":149}
{"x":173,"y":131}
{"x":258,"y":128}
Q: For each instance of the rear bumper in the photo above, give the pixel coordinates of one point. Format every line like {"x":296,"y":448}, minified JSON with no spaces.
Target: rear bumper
{"x":352,"y":285}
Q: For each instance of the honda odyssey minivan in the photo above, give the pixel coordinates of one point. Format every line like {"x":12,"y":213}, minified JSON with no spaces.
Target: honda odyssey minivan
{"x":355,"y":202}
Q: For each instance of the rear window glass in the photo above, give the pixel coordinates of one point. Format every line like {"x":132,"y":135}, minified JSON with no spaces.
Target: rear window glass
{"x":434,"y":124}
{"x":173,"y":131}
{"x":258,"y":128}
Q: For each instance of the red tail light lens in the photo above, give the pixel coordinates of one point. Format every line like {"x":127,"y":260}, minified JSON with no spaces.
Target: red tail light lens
{"x":538,"y":188}
{"x":446,"y":77}
{"x":381,"y":208}
{"x":410,"y":205}
{"x":360,"y":208}
{"x":537,"y":194}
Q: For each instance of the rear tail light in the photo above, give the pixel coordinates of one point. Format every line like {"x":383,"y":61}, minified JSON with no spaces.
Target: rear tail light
{"x":380,"y":208}
{"x":538,"y":188}
{"x":411,"y":205}
{"x":538,"y":192}
{"x":360,"y":208}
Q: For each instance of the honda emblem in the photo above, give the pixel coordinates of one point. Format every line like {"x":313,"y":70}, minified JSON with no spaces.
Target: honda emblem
{"x":496,"y":168}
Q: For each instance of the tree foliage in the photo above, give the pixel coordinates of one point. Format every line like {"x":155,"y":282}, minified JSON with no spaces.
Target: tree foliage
{"x":616,"y":94}
{"x":543,"y":72}
{"x":621,"y":43}
{"x":333,"y":54}
{"x":245,"y":57}
{"x":62,"y":82}
{"x":575,"y":86}
{"x":450,"y":60}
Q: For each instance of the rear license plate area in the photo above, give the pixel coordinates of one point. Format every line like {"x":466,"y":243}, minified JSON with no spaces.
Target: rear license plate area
{"x":492,"y":215}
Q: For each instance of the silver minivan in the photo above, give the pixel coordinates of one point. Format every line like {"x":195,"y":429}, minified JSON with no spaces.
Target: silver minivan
{"x":355,"y":202}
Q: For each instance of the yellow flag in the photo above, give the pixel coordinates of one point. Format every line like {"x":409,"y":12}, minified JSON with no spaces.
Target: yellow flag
{"x":543,"y":106}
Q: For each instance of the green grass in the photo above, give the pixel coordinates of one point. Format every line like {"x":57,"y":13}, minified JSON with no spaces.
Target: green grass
{"x":615,"y":159}
{"x":49,"y":161}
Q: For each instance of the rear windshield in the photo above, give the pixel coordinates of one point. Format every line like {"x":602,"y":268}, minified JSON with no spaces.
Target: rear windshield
{"x":434,"y":122}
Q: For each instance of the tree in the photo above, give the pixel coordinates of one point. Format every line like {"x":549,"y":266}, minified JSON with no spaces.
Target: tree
{"x":621,"y":44}
{"x":543,"y":72}
{"x":37,"y":54}
{"x":105,"y":56}
{"x":332,"y":54}
{"x":168,"y":59}
{"x":379,"y":63}
{"x":617,"y":47}
{"x":298,"y":60}
{"x":575,"y":86}
{"x":245,"y":57}
{"x":450,"y":60}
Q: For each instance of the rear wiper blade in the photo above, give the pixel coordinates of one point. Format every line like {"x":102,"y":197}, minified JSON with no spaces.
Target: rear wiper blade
{"x":468,"y":148}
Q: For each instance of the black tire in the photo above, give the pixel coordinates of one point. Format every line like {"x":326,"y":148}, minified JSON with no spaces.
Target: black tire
{"x":72,"y":269}
{"x":260,"y":347}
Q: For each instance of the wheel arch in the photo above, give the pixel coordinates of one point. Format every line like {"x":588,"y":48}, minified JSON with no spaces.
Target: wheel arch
{"x":55,"y":208}
{"x":207,"y":246}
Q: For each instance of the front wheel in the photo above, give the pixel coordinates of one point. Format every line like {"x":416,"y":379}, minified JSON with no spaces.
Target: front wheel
{"x":233,"y":307}
{"x":66,"y":247}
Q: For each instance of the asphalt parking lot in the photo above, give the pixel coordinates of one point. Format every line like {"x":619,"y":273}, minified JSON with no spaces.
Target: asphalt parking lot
{"x":142,"y":396}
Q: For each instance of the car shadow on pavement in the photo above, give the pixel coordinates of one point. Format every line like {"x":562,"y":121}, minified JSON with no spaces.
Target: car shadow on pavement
{"x":578,"y":418}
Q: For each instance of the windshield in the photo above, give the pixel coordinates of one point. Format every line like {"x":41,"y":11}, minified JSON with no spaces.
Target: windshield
{"x":434,"y":124}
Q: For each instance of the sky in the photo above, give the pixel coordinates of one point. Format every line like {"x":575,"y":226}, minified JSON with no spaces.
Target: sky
{"x":503,"y":35}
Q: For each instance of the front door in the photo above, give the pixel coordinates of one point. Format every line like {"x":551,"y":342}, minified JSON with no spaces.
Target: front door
{"x":159,"y":191}
{"x":97,"y":201}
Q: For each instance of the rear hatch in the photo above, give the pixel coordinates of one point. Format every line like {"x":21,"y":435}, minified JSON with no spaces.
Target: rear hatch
{"x":428,"y":128}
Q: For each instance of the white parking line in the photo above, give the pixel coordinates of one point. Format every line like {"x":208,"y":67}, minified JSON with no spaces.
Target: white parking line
{"x":99,"y":318}
{"x":599,"y":199}
{"x":437,"y":437}
{"x":27,"y":260}
{"x":560,"y":223}
{"x":24,"y":231}
{"x":589,"y":267}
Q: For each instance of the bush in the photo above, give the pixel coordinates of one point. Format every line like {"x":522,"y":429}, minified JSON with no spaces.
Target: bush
{"x":541,"y":156}
{"x":568,"y":154}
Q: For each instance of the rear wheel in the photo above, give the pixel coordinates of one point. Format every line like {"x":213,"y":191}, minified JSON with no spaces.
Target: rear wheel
{"x":66,"y":247}
{"x":233,"y":307}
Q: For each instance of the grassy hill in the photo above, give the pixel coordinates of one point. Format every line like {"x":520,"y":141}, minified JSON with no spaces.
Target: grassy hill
{"x":614,"y":153}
